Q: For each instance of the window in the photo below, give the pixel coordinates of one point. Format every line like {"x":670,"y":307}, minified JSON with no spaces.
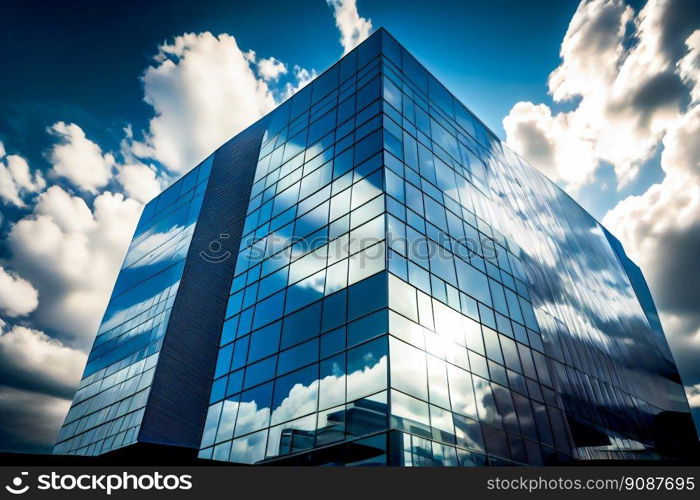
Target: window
{"x":408,"y":369}
{"x":332,"y":382}
{"x":367,"y":368}
{"x":461,"y":392}
{"x":295,"y":394}
{"x":301,"y":325}
{"x":367,"y":296}
{"x":437,"y":382}
{"x":367,"y":327}
{"x":264,"y":342}
{"x":298,"y":356}
{"x":402,"y":298}
{"x":410,"y":414}
{"x":366,"y":263}
{"x":254,"y":409}
{"x":260,"y":371}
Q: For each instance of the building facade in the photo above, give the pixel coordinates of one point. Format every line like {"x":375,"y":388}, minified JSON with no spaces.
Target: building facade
{"x":373,"y":278}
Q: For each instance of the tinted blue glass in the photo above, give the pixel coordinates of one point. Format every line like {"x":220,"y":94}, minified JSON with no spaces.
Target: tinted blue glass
{"x":302,"y":381}
{"x":520,"y":353}
{"x":367,"y":296}
{"x":301,"y":326}
{"x":235,"y":383}
{"x":298,"y":356}
{"x":264,"y":342}
{"x":334,"y":310}
{"x":367,"y":327}
{"x":333,"y":342}
{"x":260,"y":372}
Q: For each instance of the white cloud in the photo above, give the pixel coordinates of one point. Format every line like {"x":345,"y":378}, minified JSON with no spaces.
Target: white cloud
{"x":628,"y":87}
{"x":591,"y":50}
{"x":689,"y":66}
{"x":271,"y":69}
{"x":660,"y":230}
{"x":139,"y":181}
{"x":16,"y":179}
{"x":622,"y":70}
{"x":203,"y":91}
{"x":78,"y":159}
{"x":550,"y":143}
{"x":353,"y":28}
{"x":17,"y":296}
{"x":302,"y":77}
{"x":72,"y":254}
{"x":653,"y":225}
{"x":30,"y":359}
{"x":693,"y":393}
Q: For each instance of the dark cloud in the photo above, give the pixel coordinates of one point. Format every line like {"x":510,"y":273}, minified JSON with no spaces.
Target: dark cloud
{"x":677,"y":21}
{"x":661,"y":91}
{"x":29,"y":421}
{"x":680,"y":331}
{"x":32,"y":380}
{"x":676,"y":272}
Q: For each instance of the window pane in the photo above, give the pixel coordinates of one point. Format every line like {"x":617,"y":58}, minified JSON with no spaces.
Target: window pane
{"x":332,"y":382}
{"x":461,"y":391}
{"x":295,"y":394}
{"x":408,"y":369}
{"x":367,"y":368}
{"x":437,"y":382}
{"x":409,"y":414}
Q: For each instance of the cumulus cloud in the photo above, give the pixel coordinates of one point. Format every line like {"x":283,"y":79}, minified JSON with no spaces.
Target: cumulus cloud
{"x":78,"y":159}
{"x":628,"y":87}
{"x":17,"y":296}
{"x":550,"y":143}
{"x":619,"y":71}
{"x":31,"y":360}
{"x":72,"y":253}
{"x":16,"y":179}
{"x":693,"y":393}
{"x":140,"y":182}
{"x":689,"y":66}
{"x":271,"y":69}
{"x":353,"y":28}
{"x":661,"y":232}
{"x":203,"y":91}
{"x":302,"y":77}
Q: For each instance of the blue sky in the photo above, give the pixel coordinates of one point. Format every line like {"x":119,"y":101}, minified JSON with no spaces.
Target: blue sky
{"x":79,"y":65}
{"x":82,"y":65}
{"x":600,"y":95}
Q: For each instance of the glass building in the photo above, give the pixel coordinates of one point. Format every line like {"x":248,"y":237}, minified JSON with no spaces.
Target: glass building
{"x":368,"y":276}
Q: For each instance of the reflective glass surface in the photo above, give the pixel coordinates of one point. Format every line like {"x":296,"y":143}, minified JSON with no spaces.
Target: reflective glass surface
{"x":408,"y":291}
{"x":307,"y":321}
{"x":518,"y":332}
{"x":110,"y":401}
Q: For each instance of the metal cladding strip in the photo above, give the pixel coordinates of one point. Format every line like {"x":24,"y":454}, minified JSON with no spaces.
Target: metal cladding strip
{"x":179,"y":397}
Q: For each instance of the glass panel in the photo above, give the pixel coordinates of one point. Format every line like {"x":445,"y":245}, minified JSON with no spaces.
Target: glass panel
{"x":409,"y":414}
{"x":367,"y":368}
{"x":408,"y":369}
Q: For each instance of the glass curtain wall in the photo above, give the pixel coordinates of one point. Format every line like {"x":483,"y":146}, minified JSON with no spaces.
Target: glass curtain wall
{"x":109,"y":404}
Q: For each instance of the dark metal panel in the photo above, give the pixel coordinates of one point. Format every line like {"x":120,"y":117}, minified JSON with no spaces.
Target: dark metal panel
{"x":179,"y":397}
